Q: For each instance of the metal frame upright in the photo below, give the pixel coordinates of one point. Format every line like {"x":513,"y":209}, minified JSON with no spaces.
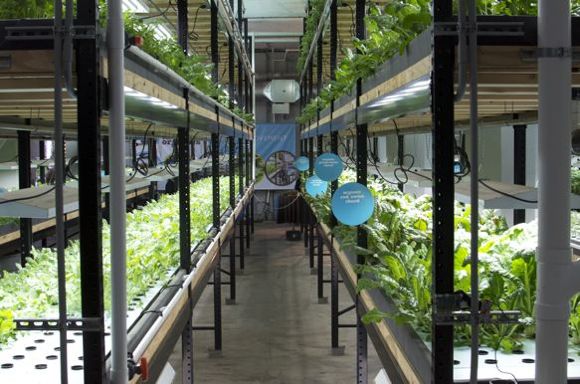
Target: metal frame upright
{"x":90,"y":224}
{"x":443,"y":189}
{"x":361,"y":178}
{"x":184,"y":201}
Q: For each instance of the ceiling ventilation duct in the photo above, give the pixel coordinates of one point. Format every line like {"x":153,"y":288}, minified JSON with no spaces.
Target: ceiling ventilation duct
{"x":282,"y":91}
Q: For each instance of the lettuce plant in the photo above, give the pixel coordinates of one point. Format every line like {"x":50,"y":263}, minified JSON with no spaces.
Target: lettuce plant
{"x":152,"y":255}
{"x":398,"y":262}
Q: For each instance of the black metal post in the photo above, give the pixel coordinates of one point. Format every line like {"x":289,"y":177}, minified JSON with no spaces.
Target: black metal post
{"x":247,"y":81}
{"x":311,"y":155}
{"x":42,"y":156}
{"x":520,"y":166}
{"x":320,"y":268}
{"x":24,"y":181}
{"x":231,"y":66}
{"x":215,"y":56}
{"x":232,"y":169}
{"x":248,"y":175}
{"x":241,"y":181}
{"x":401,"y":156}
{"x":134,"y":151}
{"x":250,"y":79}
{"x":443,"y":189}
{"x":336,"y":348}
{"x":184,"y":200}
{"x":217,"y":287}
{"x":361,"y":176}
{"x":333,"y":64}
{"x":90,"y":224}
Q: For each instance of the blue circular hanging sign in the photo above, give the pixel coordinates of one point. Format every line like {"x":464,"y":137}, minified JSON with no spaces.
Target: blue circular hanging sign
{"x":302,"y":163}
{"x":328,"y":166}
{"x":315,"y":186}
{"x":352,"y":204}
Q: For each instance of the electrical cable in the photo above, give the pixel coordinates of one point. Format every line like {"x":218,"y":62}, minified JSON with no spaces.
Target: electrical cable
{"x":7,"y":161}
{"x":482,"y":182}
{"x":28,"y":197}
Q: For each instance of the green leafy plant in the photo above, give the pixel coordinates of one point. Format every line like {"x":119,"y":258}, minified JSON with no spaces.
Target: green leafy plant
{"x":398,"y":262}
{"x":192,"y":67}
{"x":312,"y":20}
{"x":152,"y":255}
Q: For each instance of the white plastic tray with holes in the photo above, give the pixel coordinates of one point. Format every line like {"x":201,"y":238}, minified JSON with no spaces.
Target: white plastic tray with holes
{"x":520,"y":365}
{"x":34,"y":357}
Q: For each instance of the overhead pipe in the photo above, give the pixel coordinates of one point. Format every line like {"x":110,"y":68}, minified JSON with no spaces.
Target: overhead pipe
{"x":58,"y":190}
{"x":116,"y":61}
{"x":558,"y":278}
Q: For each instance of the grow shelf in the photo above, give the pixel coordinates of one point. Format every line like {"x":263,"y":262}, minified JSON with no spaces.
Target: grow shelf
{"x":407,"y":358}
{"x":400,"y":89}
{"x":46,"y":163}
{"x":510,"y":196}
{"x":153,"y":91}
{"x":13,"y":166}
{"x":150,"y":335}
{"x":37,"y":203}
{"x":131,"y":183}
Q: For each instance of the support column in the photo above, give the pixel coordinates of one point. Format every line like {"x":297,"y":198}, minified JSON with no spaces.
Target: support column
{"x":217,"y":286}
{"x":232,"y":168}
{"x":520,"y":166}
{"x":241,"y":219}
{"x":443,"y":189}
{"x":24,"y":181}
{"x":183,"y":150}
{"x":90,"y":222}
{"x":248,"y":176}
{"x":401,"y":156}
{"x":362,"y":236}
{"x":42,"y":156}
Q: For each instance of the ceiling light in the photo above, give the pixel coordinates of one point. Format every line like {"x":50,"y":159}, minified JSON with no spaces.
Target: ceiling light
{"x":134,"y":6}
{"x":162,"y":33}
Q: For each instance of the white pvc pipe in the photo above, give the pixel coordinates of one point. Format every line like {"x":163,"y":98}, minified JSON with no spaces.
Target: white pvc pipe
{"x":116,"y":58}
{"x":58,"y":190}
{"x":553,"y":253}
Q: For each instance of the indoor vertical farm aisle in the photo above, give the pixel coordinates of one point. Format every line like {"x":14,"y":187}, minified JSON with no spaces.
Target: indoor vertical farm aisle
{"x":289,"y":191}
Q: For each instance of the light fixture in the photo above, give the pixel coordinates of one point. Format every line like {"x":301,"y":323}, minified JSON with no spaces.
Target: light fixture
{"x":134,"y":6}
{"x":162,"y":32}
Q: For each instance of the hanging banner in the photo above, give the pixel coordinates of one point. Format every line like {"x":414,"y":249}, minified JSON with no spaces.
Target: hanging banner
{"x":275,"y":157}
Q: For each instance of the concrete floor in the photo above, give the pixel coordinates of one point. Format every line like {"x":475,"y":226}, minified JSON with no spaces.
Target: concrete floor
{"x":277,"y":333}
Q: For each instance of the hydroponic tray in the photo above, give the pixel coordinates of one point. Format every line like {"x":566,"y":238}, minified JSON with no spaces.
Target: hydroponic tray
{"x":131,"y":183}
{"x":162,"y":175}
{"x":46,"y":163}
{"x":13,"y":166}
{"x":34,"y":357}
{"x":37,"y":202}
{"x":407,"y":358}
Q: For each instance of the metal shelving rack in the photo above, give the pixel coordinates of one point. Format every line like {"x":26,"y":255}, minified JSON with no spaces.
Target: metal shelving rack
{"x":154,"y":94}
{"x":416,"y":89}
